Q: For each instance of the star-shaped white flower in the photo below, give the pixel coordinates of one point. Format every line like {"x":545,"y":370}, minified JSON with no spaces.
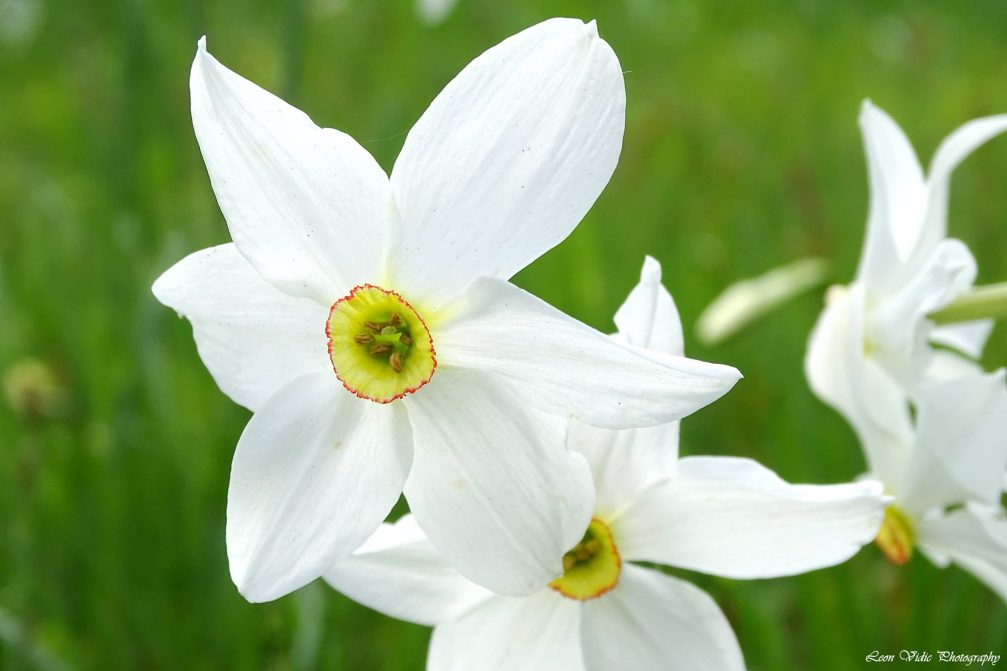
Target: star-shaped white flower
{"x":729,"y":517}
{"x":368,"y":323}
{"x":872,"y":343}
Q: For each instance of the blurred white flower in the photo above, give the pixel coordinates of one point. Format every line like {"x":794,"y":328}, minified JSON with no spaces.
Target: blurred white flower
{"x":746,"y":300}
{"x":946,"y":477}
{"x":369,"y":325}
{"x":435,"y":11}
{"x":872,"y":343}
{"x":727,"y":517}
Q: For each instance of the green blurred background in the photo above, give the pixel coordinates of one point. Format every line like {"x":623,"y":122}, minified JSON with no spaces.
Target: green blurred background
{"x":742,"y":152}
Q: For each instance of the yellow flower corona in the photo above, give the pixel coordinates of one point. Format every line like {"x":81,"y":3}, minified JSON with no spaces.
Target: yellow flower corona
{"x":379,"y":345}
{"x":592,"y":567}
{"x":896,"y":537}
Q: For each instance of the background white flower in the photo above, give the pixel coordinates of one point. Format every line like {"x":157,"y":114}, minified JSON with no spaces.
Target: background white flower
{"x":871,"y":346}
{"x":946,"y":478}
{"x":341,"y":280}
{"x":729,"y":517}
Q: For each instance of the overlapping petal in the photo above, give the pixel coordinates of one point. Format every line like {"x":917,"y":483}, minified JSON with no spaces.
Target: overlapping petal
{"x":841,"y":374}
{"x":536,"y":633}
{"x":252,"y":337}
{"x":898,"y":330}
{"x":492,"y":484}
{"x":974,"y":537}
{"x":898,"y":197}
{"x":398,"y":572}
{"x":960,"y":452}
{"x":654,"y":622}
{"x":648,"y":318}
{"x":735,"y":518}
{"x":624,"y":463}
{"x":307,"y":206}
{"x":508,"y":158}
{"x":314,"y":474}
{"x":565,"y":367}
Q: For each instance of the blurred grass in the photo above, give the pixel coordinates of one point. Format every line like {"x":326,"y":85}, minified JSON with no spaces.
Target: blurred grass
{"x":742,"y":152}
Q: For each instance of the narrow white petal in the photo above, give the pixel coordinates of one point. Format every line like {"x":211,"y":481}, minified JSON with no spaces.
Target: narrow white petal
{"x":540,"y":632}
{"x":960,"y":452}
{"x":398,"y":572}
{"x":732,"y":517}
{"x":648,"y":318}
{"x":252,"y":337}
{"x":307,"y":206}
{"x":898,"y":329}
{"x":953,"y":150}
{"x":492,"y":483}
{"x":840,"y":374}
{"x":747,"y":300}
{"x":562,"y":366}
{"x":314,"y":474}
{"x":625,"y":462}
{"x":975,"y":538}
{"x":508,"y":158}
{"x":898,"y":194}
{"x":654,"y":622}
{"x":969,"y":338}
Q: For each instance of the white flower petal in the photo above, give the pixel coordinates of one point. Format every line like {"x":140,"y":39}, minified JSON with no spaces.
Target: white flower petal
{"x":960,"y":452}
{"x":252,"y":337}
{"x":654,"y":622}
{"x":536,"y":633}
{"x":946,"y":365}
{"x":508,"y":158}
{"x":969,"y":338}
{"x":562,"y":366}
{"x":398,"y":572}
{"x":735,"y":518}
{"x":841,"y":375}
{"x":898,"y":194}
{"x":747,"y":300}
{"x":307,"y":206}
{"x":975,"y":538}
{"x":314,"y":474}
{"x":898,"y":329}
{"x":624,"y":463}
{"x":492,"y":483}
{"x":952,"y":151}
{"x":648,"y":318}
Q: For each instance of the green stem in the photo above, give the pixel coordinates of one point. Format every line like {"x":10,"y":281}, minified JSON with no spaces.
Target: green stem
{"x":981,"y":303}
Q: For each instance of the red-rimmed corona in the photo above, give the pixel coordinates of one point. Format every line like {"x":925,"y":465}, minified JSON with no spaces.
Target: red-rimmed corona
{"x":380,"y":347}
{"x":592,"y":567}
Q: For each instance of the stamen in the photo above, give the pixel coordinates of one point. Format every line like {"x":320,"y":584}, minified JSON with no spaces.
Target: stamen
{"x":380,"y":347}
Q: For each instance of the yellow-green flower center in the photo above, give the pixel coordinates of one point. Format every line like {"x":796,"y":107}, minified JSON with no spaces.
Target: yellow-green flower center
{"x":380,"y":347}
{"x":592,"y":567}
{"x":896,"y":536}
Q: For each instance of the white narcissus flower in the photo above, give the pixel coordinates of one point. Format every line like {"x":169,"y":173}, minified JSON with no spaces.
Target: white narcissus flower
{"x":728,"y":517}
{"x":368,"y":322}
{"x":947,"y":478}
{"x":871,"y":345}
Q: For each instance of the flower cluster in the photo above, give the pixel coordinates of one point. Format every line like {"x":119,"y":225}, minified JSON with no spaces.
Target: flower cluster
{"x":931,"y":421}
{"x":368,"y":322}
